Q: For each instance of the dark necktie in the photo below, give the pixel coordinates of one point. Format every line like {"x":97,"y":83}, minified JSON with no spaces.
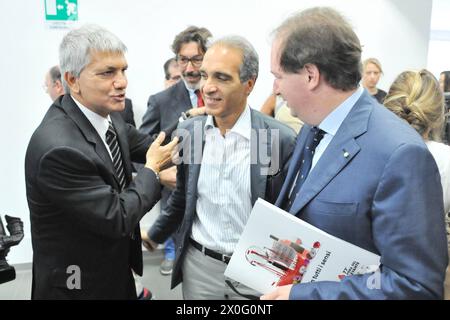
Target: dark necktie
{"x":305,"y":162}
{"x":200,"y":102}
{"x":111,"y":140}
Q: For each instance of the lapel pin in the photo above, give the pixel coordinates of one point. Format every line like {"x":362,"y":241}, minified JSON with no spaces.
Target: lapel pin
{"x":346,"y":154}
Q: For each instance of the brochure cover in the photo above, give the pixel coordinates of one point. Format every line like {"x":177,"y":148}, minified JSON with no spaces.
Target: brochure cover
{"x":276,"y":249}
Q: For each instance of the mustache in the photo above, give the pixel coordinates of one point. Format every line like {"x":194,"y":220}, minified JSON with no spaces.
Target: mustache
{"x":191,"y":74}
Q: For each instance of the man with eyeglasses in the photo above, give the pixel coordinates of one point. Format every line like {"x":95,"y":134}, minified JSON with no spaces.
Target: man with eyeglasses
{"x":165,"y":108}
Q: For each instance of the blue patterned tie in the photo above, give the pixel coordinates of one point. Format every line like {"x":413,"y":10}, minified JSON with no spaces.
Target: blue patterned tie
{"x":305,"y":162}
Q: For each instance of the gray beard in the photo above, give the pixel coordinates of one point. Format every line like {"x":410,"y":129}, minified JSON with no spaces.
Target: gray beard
{"x":192,"y":86}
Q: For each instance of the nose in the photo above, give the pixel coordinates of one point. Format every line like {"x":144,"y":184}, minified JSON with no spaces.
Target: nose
{"x":190,"y":67}
{"x":121,"y":81}
{"x":207,"y":86}
{"x":275,"y":87}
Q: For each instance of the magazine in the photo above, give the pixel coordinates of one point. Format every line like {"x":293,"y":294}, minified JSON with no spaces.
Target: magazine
{"x":277,"y":248}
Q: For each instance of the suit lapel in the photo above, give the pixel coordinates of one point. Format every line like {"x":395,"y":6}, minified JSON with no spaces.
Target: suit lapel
{"x":292,"y":171}
{"x":339,"y":153}
{"x":183,"y":101}
{"x":73,"y":111}
{"x":195,"y":157}
{"x":260,"y":156}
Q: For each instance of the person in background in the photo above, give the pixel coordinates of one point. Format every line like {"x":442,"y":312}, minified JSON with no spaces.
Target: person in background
{"x":166,"y":107}
{"x":172,"y":72}
{"x":372,"y":72}
{"x":53,"y":85}
{"x":444,"y":81}
{"x":415,"y":97}
{"x":276,"y":107}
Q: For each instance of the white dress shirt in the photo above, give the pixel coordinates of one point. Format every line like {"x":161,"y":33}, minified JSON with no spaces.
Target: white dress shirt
{"x":224,"y":193}
{"x":332,"y":123}
{"x":441,"y":154}
{"x":192,"y":96}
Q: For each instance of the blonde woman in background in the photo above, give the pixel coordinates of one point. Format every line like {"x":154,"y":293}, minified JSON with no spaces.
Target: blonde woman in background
{"x":416,"y":97}
{"x":372,"y":72}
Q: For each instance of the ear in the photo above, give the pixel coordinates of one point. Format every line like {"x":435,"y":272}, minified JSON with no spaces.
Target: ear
{"x":313,"y":75}
{"x":59,"y":87}
{"x":72,"y":82}
{"x":249,"y":85}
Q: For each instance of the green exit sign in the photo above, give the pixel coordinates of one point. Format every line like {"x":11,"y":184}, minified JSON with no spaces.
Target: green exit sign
{"x":61,"y":10}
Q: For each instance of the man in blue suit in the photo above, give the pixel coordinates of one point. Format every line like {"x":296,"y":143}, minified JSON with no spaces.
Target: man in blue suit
{"x":371,"y":180}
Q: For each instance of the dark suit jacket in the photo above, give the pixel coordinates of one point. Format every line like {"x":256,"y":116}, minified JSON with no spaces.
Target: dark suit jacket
{"x":127,"y":113}
{"x":267,"y":176}
{"x":376,"y":186}
{"x":163,"y":112}
{"x":164,"y":109}
{"x":78,"y":216}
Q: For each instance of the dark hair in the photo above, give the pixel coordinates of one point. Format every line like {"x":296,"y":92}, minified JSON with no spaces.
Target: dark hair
{"x":166,"y":67}
{"x":55,"y":74}
{"x":191,"y":34}
{"x":446,"y":80}
{"x":321,"y":36}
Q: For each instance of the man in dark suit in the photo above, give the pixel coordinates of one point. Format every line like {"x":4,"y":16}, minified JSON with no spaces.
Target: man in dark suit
{"x":84,"y":207}
{"x":127,"y":113}
{"x":53,"y":84}
{"x":365,"y":176}
{"x":165,"y":108}
{"x":229,"y":159}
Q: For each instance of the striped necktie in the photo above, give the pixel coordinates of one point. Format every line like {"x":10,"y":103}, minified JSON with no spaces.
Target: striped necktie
{"x":113,"y":144}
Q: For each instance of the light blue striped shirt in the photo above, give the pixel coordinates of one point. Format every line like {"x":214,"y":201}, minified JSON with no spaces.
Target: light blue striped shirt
{"x":332,"y":123}
{"x":224,"y":193}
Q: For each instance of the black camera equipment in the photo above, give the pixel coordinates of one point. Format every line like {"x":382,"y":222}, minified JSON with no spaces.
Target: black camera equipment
{"x":15,"y":228}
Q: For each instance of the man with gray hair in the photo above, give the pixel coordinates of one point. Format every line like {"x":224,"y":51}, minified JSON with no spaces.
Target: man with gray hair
{"x":84,"y":206}
{"x":231,"y":157}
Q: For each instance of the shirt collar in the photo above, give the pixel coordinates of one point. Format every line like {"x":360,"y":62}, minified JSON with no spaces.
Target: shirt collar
{"x":334,"y":120}
{"x":243,"y":125}
{"x":99,"y":123}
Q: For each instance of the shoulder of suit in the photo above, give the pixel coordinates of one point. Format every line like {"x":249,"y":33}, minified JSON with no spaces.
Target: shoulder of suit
{"x":168,"y":94}
{"x":190,"y":123}
{"x":272,"y":123}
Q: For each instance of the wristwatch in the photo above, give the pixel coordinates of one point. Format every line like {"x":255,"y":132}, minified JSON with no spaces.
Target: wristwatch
{"x":156,"y":173}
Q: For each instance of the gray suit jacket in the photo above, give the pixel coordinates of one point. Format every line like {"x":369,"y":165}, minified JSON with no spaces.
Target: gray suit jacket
{"x":267,"y":176}
{"x":376,"y":186}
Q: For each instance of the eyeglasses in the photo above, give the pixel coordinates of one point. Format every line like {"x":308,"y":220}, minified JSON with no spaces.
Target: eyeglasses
{"x":195,"y":60}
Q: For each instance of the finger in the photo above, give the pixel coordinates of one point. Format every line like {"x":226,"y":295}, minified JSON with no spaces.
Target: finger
{"x":269,"y":296}
{"x":160,"y":138}
{"x":172,"y":143}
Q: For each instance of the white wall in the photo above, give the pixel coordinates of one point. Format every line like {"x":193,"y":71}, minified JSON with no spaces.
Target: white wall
{"x":439,"y":46}
{"x":395,"y":31}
